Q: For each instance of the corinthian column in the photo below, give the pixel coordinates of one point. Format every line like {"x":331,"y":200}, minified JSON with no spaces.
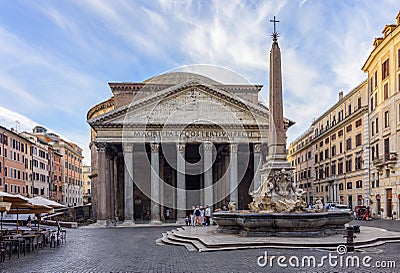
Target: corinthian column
{"x":101,"y":184}
{"x":180,"y":183}
{"x":257,"y":165}
{"x":233,"y":172}
{"x":208,"y":175}
{"x":155,"y":184}
{"x":128,"y":185}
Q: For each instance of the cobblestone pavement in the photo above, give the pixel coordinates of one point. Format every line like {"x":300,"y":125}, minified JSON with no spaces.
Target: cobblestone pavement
{"x":134,"y":250}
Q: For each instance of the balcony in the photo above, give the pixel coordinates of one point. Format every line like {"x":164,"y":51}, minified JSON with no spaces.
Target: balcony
{"x":388,"y":162}
{"x":391,"y":160}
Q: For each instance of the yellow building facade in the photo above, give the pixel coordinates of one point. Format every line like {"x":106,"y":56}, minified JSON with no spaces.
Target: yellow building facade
{"x":383,"y":70}
{"x":330,"y":159}
{"x":353,"y":148}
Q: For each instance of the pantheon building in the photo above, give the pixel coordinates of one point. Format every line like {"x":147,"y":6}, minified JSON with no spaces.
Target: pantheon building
{"x":174,"y":141}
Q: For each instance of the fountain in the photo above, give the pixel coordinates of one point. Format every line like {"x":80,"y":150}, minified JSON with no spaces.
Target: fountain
{"x":278,"y":207}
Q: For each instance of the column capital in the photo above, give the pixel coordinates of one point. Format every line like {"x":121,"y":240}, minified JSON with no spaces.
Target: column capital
{"x":154,"y":147}
{"x":257,"y":147}
{"x":207,"y":145}
{"x":128,"y":147}
{"x":101,"y":146}
{"x":233,"y":147}
{"x":181,"y":147}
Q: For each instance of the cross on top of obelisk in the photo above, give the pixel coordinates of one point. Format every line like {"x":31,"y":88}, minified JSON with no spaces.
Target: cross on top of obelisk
{"x":274,"y":34}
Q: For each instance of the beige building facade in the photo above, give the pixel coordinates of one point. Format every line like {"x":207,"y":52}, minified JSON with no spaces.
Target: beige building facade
{"x":69,"y":157}
{"x":87,"y":184}
{"x":383,"y":70}
{"x":356,"y":143}
{"x":40,"y":165}
{"x":332,"y":156}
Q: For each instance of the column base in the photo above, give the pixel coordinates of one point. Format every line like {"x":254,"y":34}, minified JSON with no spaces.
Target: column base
{"x":127,"y":223}
{"x":155,"y":222}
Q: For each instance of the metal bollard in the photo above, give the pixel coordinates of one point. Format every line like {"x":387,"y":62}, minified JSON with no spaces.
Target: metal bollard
{"x":350,"y":238}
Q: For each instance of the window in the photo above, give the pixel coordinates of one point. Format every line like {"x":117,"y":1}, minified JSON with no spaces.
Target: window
{"x":372,"y":104}
{"x":333,"y":137}
{"x":358,"y":140}
{"x":348,"y":144}
{"x":327,"y":140}
{"x":398,"y":82}
{"x":349,"y":109}
{"x":349,"y":165}
{"x":358,"y":165}
{"x":326,"y":153}
{"x":340,"y":133}
{"x":386,"y":119}
{"x":371,"y":80}
{"x":349,"y":185}
{"x":340,"y":167}
{"x":376,"y":78}
{"x":398,"y":58}
{"x":340,"y":115}
{"x":341,"y":186}
{"x":321,"y":144}
{"x":386,"y":147}
{"x":386,"y":91}
{"x":321,"y":156}
{"x":376,"y":99}
{"x":340,"y":147}
{"x":372,"y":128}
{"x":358,"y":123}
{"x":349,"y":128}
{"x":333,"y":150}
{"x":376,"y":126}
{"x":333,"y":168}
{"x":358,"y":103}
{"x":385,"y":69}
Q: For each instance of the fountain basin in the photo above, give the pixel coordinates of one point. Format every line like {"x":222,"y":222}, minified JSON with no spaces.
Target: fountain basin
{"x":307,"y":224}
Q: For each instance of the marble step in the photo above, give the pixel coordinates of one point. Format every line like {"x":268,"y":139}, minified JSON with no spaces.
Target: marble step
{"x":167,"y":241}
{"x":198,"y":245}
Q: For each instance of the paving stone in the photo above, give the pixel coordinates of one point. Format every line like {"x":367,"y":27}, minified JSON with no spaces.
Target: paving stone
{"x":135,"y":250}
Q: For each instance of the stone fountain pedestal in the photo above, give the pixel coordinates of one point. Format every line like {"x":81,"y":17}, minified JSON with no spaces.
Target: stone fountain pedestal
{"x":307,"y":224}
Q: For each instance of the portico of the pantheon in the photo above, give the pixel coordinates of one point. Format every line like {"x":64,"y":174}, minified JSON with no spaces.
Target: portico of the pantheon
{"x":172,"y":142}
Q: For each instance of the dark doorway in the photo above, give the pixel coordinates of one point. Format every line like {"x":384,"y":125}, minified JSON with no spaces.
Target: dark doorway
{"x":389,"y":202}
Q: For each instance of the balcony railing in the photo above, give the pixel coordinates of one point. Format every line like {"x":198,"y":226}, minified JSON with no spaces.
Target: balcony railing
{"x":388,"y":162}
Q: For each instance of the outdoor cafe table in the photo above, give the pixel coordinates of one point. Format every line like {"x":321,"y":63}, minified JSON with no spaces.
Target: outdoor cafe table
{"x":17,"y":242}
{"x":30,"y":238}
{"x":46,"y":236}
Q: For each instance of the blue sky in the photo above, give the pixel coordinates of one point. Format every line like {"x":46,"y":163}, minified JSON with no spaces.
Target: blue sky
{"x":58,"y":56}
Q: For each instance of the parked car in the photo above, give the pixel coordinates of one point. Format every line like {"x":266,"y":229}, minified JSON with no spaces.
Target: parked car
{"x":335,"y":206}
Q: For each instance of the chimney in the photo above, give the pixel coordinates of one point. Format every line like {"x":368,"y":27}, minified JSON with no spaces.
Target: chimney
{"x":340,"y":95}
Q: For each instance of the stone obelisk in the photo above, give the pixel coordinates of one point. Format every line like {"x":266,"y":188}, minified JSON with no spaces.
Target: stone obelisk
{"x":277,"y":192}
{"x":276,"y":158}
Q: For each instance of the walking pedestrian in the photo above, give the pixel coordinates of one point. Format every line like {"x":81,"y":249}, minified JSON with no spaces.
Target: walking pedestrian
{"x":208,"y":215}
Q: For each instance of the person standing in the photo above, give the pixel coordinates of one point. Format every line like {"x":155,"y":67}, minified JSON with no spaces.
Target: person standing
{"x":197,"y":216}
{"x":202,"y":217}
{"x":208,"y":215}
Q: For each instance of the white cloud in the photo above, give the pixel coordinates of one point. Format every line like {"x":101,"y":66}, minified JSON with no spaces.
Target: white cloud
{"x":10,"y":119}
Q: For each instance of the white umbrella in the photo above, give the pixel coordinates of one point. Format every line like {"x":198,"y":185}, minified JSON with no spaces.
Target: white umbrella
{"x":4,"y":206}
{"x":38,"y":200}
{"x":17,"y":202}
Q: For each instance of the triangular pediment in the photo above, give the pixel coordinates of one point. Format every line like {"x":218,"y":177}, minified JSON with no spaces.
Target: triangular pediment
{"x":191,"y":103}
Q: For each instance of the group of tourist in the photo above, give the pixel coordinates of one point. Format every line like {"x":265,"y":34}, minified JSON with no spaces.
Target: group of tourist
{"x":198,"y":216}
